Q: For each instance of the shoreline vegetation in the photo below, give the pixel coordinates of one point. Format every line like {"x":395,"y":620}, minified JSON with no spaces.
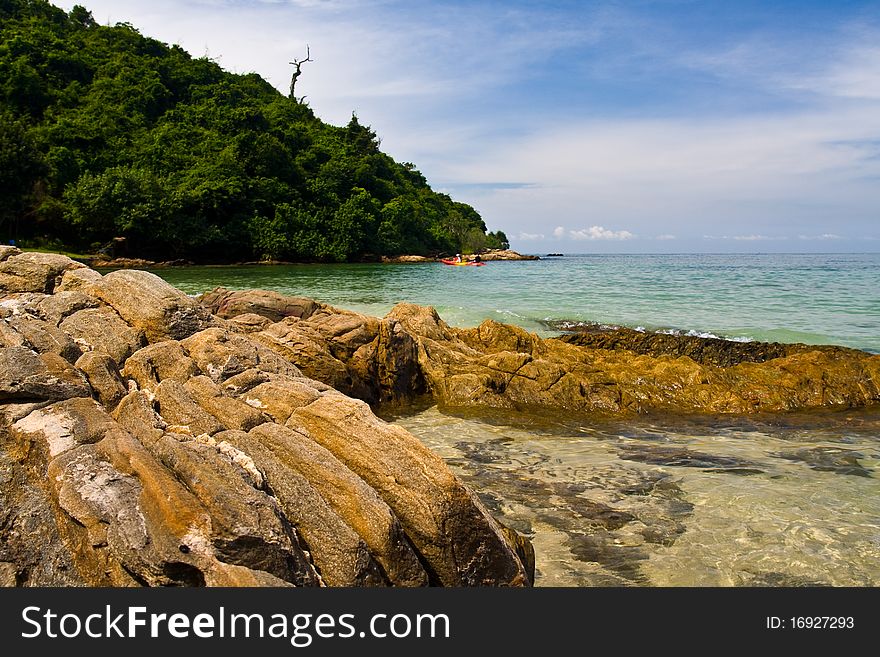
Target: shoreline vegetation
{"x":123,"y":378}
{"x":114,"y":142}
{"x":102,"y":262}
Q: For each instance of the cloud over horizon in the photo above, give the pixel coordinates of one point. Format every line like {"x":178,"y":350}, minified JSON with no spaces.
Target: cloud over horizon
{"x":649,"y":119}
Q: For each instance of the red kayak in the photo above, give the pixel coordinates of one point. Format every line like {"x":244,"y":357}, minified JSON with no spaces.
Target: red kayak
{"x":463,"y":263}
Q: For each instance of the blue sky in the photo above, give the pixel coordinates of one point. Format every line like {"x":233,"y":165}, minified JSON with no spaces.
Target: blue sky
{"x":642,"y":126}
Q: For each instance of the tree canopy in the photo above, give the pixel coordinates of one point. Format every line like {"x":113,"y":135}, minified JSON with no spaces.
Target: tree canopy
{"x":106,"y":133}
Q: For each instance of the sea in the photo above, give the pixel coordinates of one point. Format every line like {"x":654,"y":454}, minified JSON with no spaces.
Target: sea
{"x":786,"y":500}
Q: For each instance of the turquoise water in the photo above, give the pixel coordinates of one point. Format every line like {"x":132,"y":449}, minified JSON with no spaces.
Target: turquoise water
{"x":817,"y":299}
{"x":790,"y":500}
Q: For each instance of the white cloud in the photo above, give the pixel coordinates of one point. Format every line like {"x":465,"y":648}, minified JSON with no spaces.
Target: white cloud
{"x":530,"y":237}
{"x":600,"y":233}
{"x":665,"y":237}
{"x":823,"y":236}
{"x":559,"y":231}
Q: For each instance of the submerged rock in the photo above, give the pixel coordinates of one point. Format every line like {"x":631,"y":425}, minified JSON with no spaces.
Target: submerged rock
{"x":830,"y":459}
{"x":145,"y":441}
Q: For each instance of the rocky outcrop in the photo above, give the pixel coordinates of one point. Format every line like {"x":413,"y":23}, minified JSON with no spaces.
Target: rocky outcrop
{"x":411,"y":352}
{"x":371,"y":359}
{"x":706,"y":351}
{"x":506,"y":254}
{"x":503,"y":366}
{"x":407,"y":259}
{"x":145,"y":441}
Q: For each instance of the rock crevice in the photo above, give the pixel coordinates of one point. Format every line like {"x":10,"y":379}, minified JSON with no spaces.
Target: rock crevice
{"x":151,"y":442}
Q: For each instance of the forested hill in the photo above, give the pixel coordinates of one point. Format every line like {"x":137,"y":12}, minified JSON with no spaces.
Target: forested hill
{"x":106,"y":133}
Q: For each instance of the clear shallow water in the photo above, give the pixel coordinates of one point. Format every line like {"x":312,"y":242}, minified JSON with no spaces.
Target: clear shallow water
{"x":667,"y":501}
{"x":792,"y":501}
{"x":826,"y":298}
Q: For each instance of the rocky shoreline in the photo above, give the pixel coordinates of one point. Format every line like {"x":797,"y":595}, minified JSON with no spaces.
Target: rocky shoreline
{"x":101,"y":262}
{"x":144,"y":441}
{"x":411,"y":352}
{"x":148,"y":438}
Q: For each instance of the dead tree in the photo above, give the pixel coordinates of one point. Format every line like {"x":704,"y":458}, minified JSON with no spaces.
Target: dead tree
{"x":297,"y":63}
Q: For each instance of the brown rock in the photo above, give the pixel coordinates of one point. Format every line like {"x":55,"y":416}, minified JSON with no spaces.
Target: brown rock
{"x":34,"y":272}
{"x":222,"y":354}
{"x":56,"y":307}
{"x":305,"y":348}
{"x":157,"y":362}
{"x":232,"y":413}
{"x":271,"y":305}
{"x":250,"y":322}
{"x":43,"y":337}
{"x":78,"y":280}
{"x":7,"y":251}
{"x":103,"y":377}
{"x":445,"y":522}
{"x":62,"y":426}
{"x":27,"y":375}
{"x":505,"y":254}
{"x":350,"y":498}
{"x":30,"y":544}
{"x":134,"y":522}
{"x":247,"y":527}
{"x":280,"y":398}
{"x":407,"y":259}
{"x":102,"y":330}
{"x":148,"y":303}
{"x":341,"y":556}
{"x":177,"y":407}
{"x":136,"y":414}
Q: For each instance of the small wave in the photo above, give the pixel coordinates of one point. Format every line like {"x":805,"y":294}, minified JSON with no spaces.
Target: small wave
{"x":703,"y":334}
{"x":577,"y":326}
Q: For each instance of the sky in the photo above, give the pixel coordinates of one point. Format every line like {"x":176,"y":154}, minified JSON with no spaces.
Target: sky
{"x":643,"y":126}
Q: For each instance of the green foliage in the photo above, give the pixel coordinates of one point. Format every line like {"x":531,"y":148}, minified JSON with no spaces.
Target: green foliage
{"x":107,"y":133}
{"x":497,"y":240}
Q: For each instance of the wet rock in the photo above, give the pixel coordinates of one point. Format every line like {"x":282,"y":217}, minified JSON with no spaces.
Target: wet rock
{"x":706,"y":351}
{"x":830,"y":459}
{"x":679,"y":456}
{"x":150,"y":304}
{"x":620,"y":559}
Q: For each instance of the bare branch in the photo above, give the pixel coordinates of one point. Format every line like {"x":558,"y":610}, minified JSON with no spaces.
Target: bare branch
{"x":298,"y":71}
